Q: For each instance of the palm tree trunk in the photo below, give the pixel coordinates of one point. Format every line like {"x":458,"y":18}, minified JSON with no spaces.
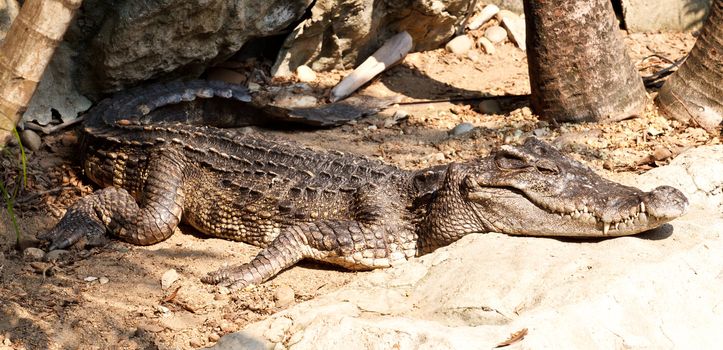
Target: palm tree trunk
{"x":694,"y":93}
{"x":579,"y":67}
{"x":25,"y":53}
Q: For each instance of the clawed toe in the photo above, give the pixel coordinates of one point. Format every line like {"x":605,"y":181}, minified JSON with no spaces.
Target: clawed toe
{"x":234,"y":277}
{"x":73,"y":229}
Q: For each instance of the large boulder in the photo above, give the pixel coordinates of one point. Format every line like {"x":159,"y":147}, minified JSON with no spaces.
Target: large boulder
{"x":137,"y":40}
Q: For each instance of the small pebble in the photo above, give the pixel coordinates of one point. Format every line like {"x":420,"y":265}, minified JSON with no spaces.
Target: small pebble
{"x":90,"y":278}
{"x":195,"y":343}
{"x":253,"y":87}
{"x":168,"y":278}
{"x":372,"y":127}
{"x":7,"y":342}
{"x":496,"y":34}
{"x":103,"y":280}
{"x":541,"y":132}
{"x":33,"y":253}
{"x":487,"y":45}
{"x":661,"y":153}
{"x":55,"y":254}
{"x":227,"y":327}
{"x":214,"y":337}
{"x":473,"y":56}
{"x":305,"y":74}
{"x":652,"y":131}
{"x":164,"y":311}
{"x":490,"y":107}
{"x":284,"y":295}
{"x":460,"y":45}
{"x":460,"y":129}
{"x":30,"y":140}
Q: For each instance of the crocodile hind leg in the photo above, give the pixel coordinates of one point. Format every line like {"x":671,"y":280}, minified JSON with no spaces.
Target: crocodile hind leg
{"x":350,"y":244}
{"x":114,"y":210}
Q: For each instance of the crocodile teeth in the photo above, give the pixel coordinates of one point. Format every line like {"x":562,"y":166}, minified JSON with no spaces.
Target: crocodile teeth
{"x":642,"y":207}
{"x":606,"y":228}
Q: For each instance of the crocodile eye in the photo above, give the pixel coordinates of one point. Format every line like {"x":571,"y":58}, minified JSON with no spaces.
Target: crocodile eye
{"x":547,"y":167}
{"x":510,"y":161}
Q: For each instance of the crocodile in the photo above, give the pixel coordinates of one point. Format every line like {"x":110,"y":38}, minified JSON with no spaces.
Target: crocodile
{"x":165,"y":155}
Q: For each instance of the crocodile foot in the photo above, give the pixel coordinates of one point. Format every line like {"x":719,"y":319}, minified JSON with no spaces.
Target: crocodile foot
{"x":233,"y":277}
{"x":80,"y":226}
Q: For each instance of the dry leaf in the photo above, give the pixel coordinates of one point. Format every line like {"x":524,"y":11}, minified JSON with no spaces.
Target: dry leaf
{"x":514,"y":338}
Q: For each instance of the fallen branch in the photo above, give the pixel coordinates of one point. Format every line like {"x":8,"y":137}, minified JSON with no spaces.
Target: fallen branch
{"x":390,"y":53}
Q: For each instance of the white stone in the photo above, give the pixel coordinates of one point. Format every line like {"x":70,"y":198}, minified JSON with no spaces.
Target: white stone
{"x":168,"y":278}
{"x":460,"y":45}
{"x":490,"y":107}
{"x":33,"y":253}
{"x":515,"y":26}
{"x":305,"y":74}
{"x":483,"y":16}
{"x":495,"y":34}
{"x":487,"y":45}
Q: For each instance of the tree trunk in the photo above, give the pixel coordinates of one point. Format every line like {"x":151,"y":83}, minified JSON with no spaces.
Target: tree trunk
{"x":695,"y":92}
{"x":25,"y":53}
{"x":579,"y":67}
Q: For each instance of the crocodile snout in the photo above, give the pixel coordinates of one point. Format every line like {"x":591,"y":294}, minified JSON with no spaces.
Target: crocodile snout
{"x":665,"y":202}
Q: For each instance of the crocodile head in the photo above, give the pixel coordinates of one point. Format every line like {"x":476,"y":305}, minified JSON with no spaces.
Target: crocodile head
{"x":535,"y":190}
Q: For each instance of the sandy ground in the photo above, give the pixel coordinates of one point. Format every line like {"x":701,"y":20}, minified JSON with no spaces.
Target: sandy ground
{"x":111,"y":297}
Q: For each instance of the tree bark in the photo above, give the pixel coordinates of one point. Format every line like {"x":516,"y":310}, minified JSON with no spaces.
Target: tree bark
{"x":694,"y":93}
{"x":579,"y":67}
{"x":25,"y":53}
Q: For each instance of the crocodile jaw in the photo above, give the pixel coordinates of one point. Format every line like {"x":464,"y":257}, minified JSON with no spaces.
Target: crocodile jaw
{"x":511,"y":211}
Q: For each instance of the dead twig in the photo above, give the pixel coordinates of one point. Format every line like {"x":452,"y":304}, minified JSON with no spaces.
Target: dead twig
{"x":514,"y":338}
{"x":54,"y":128}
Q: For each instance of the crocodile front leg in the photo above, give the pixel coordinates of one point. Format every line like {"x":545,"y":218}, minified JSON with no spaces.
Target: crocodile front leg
{"x":350,"y":244}
{"x":114,"y":210}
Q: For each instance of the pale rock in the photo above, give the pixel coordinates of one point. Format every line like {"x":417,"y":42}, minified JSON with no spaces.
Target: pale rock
{"x":461,"y":128}
{"x":55,"y":254}
{"x":253,"y":87}
{"x":168,"y":278}
{"x":57,"y":90}
{"x":30,"y":140}
{"x":515,"y":27}
{"x":305,"y":74}
{"x":490,"y":107}
{"x":495,"y":34}
{"x":487,"y":45}
{"x":483,"y":16}
{"x":290,"y":100}
{"x":33,"y":254}
{"x":278,"y":329}
{"x":237,"y":341}
{"x":284,"y":295}
{"x":460,"y":45}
